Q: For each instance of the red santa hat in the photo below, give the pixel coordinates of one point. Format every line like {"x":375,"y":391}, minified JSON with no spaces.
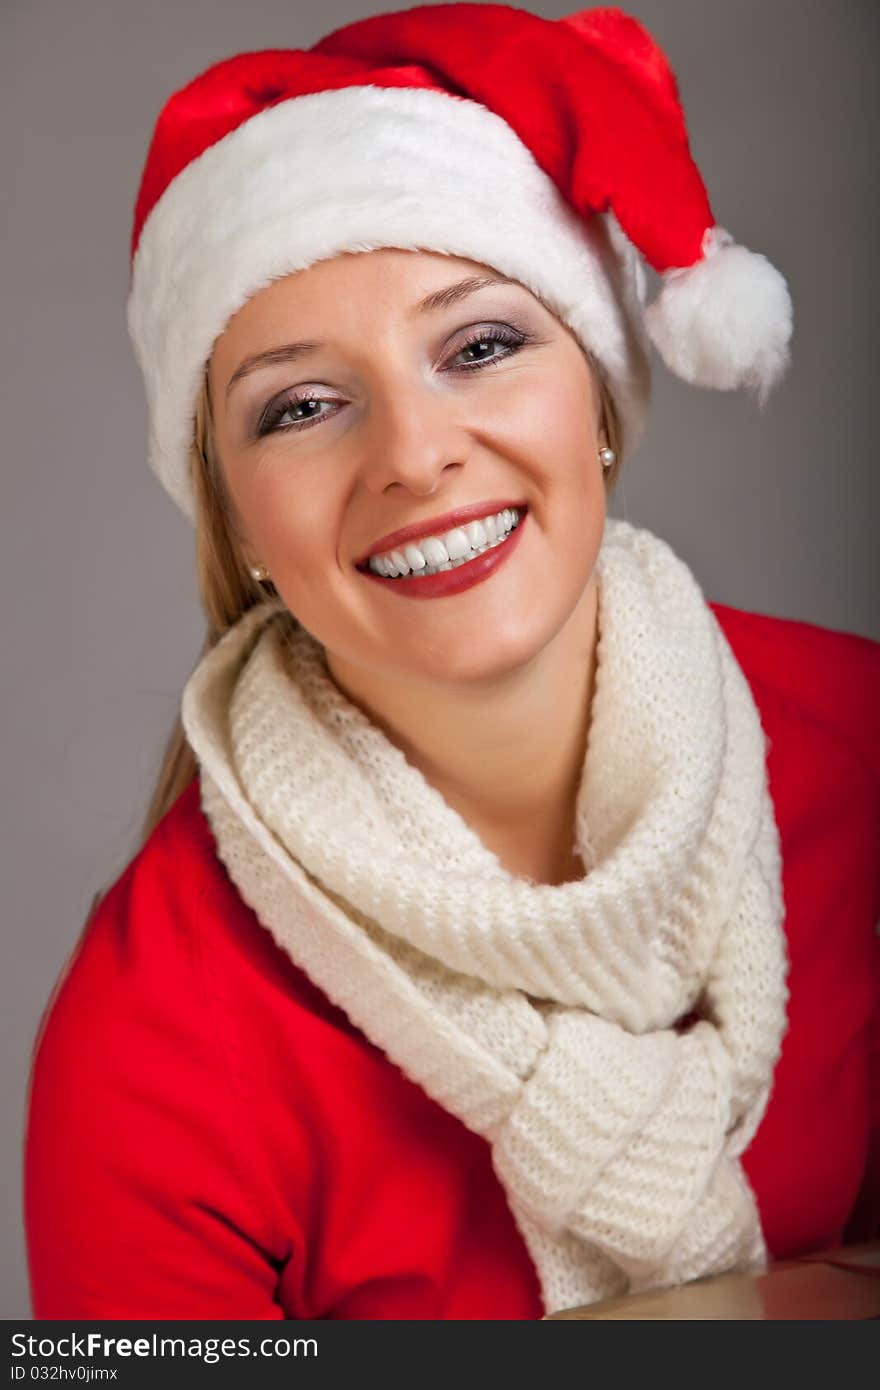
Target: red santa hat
{"x":553,"y":150}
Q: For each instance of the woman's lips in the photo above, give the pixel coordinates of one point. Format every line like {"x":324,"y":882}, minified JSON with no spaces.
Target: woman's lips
{"x":453,"y":581}
{"x":435,"y":526}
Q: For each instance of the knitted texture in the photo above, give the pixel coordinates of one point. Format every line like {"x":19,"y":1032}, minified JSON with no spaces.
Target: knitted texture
{"x":542,"y":1016}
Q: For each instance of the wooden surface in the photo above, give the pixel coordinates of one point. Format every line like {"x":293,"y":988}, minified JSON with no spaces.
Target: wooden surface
{"x":831,"y":1285}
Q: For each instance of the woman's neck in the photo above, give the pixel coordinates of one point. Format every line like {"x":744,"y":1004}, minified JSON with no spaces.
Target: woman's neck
{"x":508,"y":758}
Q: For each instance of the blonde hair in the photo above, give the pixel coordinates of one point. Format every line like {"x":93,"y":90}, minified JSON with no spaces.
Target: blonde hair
{"x":226,"y":587}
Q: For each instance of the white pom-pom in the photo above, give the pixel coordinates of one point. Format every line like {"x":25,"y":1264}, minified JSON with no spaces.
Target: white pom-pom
{"x":725,"y":321}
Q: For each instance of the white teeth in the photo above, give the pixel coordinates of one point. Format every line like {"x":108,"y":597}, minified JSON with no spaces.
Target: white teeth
{"x":398,"y":560}
{"x":457,"y":544}
{"x":434,"y":551}
{"x":435,"y":554}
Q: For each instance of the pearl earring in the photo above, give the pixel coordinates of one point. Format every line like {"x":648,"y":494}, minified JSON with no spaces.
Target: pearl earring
{"x":608,"y":457}
{"x":257,"y":572}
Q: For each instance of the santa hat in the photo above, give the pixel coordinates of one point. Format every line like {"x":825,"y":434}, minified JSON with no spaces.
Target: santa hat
{"x":554,"y":151}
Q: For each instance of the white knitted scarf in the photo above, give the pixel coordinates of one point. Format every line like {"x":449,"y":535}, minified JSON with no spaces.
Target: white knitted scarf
{"x":542,"y":1016}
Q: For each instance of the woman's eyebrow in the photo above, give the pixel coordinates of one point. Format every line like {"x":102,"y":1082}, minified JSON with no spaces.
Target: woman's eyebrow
{"x":287,"y":352}
{"x":437,"y":299}
{"x":451,"y":294}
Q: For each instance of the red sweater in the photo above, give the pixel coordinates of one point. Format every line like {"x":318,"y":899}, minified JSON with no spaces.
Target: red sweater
{"x":209,"y":1137}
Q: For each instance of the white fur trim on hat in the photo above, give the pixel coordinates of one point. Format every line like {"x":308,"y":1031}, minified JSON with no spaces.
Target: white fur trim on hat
{"x":357,"y":169}
{"x":725,"y":321}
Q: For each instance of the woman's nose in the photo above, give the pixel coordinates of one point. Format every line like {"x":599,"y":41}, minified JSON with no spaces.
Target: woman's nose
{"x":415,"y":436}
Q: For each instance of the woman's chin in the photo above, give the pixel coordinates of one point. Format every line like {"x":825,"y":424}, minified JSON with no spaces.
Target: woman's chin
{"x":473,"y":636}
{"x":482,"y":648}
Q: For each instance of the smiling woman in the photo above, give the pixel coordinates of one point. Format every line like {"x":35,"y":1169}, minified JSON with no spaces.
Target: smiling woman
{"x":440,"y":387}
{"x":476,"y":954}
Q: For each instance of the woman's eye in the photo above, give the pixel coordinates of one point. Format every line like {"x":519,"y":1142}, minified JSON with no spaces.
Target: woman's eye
{"x":294,"y":414}
{"x":481,"y":351}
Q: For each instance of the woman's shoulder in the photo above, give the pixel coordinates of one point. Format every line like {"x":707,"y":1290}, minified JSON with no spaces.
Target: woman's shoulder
{"x":155,"y":1043}
{"x":171,"y":929}
{"x":806,"y":676}
{"x":134,"y":1091}
{"x":817,"y":692}
{"x":139,"y":939}
{"x":133,"y":982}
{"x":173,"y":964}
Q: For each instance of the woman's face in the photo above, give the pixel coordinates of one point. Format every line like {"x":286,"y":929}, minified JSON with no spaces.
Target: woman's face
{"x":380,"y":392}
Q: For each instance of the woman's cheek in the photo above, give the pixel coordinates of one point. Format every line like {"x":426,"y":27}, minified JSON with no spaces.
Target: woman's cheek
{"x":306,"y":534}
{"x":548,"y":420}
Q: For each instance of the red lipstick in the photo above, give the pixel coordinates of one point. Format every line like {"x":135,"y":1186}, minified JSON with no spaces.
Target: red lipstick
{"x":453,"y":581}
{"x":436,"y":525}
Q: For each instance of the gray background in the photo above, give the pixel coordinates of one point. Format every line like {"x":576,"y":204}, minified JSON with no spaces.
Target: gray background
{"x":775,"y":512}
